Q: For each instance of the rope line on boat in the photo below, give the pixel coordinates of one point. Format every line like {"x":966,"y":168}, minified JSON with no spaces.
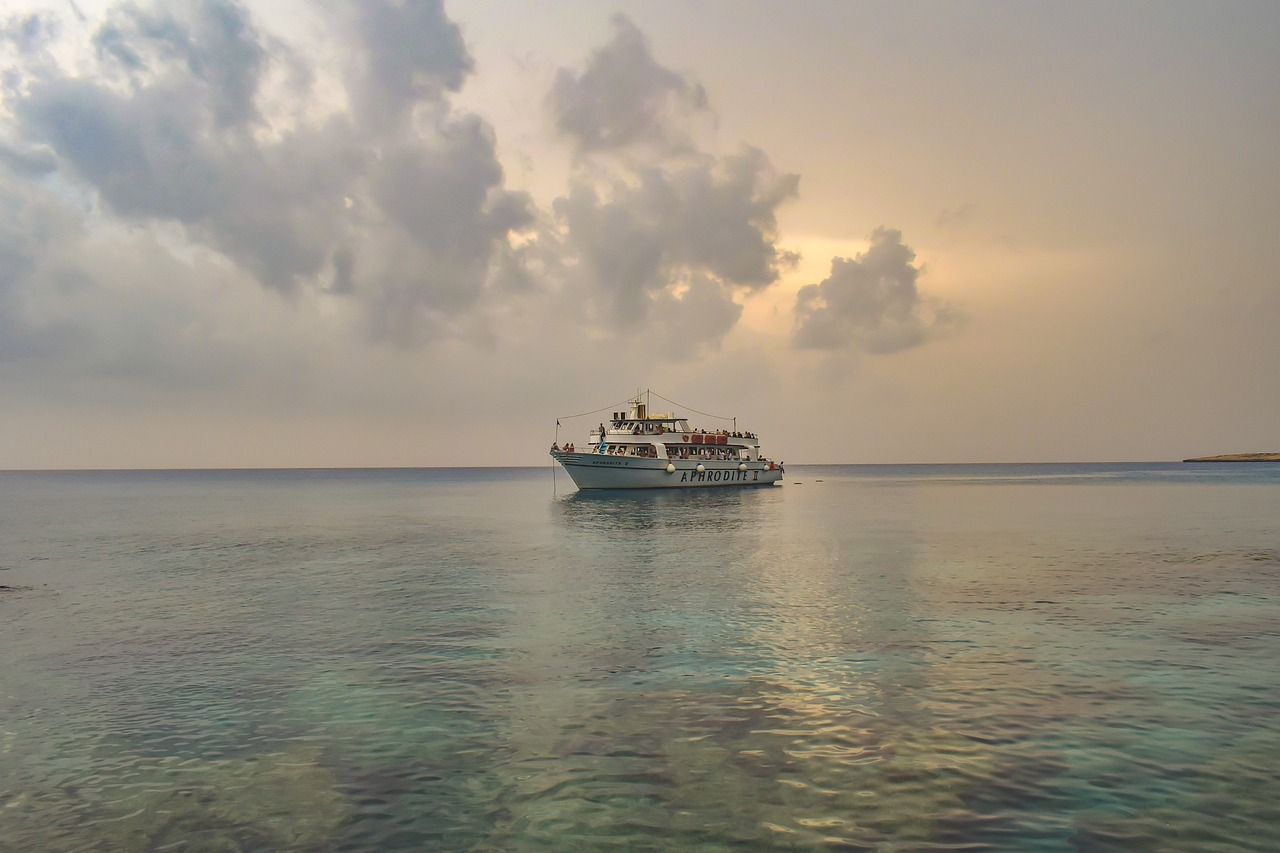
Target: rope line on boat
{"x":593,"y":411}
{"x":692,"y":409}
{"x":628,"y":402}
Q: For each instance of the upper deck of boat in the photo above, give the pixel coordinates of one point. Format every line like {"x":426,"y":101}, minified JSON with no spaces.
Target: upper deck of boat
{"x":668,"y":428}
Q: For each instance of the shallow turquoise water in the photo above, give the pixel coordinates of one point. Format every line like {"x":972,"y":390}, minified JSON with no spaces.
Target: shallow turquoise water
{"x":891,"y":658}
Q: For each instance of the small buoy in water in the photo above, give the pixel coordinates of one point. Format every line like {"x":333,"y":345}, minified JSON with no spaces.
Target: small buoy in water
{"x":742,"y":466}
{"x":701,"y":467}
{"x":671,"y":468}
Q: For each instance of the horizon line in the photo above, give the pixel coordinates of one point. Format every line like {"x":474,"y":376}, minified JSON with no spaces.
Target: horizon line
{"x":241,"y":468}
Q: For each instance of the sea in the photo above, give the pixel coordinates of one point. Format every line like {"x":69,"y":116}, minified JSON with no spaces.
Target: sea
{"x":1074,"y":657}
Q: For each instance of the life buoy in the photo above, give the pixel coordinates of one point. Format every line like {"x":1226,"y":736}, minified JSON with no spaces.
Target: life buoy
{"x":685,"y":436}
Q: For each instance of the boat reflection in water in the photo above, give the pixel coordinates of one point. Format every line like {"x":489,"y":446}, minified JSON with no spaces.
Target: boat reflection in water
{"x":664,"y":509}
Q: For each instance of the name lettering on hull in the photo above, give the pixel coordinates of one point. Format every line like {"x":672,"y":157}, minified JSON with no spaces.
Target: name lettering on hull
{"x":719,"y":476}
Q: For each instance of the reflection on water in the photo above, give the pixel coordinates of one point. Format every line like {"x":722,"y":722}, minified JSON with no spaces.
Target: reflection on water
{"x":888,"y":662}
{"x":662,"y":509}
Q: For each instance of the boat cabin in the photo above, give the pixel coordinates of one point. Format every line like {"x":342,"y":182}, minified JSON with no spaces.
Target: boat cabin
{"x":662,"y":435}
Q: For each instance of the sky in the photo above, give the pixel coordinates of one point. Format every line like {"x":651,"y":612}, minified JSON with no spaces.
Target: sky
{"x":378,"y":233}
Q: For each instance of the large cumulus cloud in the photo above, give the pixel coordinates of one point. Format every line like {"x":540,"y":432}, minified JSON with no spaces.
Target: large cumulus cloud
{"x":870,"y":303}
{"x":659,"y":234}
{"x":189,"y":114}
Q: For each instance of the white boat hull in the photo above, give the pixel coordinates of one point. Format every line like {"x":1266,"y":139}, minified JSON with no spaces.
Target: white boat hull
{"x":604,"y":471}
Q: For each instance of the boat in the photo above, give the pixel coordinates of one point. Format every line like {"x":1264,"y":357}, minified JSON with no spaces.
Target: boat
{"x":642,"y":449}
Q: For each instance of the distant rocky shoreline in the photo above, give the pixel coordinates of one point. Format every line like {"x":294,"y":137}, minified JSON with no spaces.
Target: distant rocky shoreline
{"x":1238,"y":457}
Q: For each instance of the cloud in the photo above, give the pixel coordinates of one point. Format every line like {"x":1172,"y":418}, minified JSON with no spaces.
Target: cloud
{"x":122,"y":319}
{"x":447,"y":191}
{"x":700,"y":311}
{"x":157,"y":155}
{"x":189,"y":114}
{"x":34,"y":227}
{"x":160,"y":132}
{"x":716,"y":219}
{"x":624,"y":98}
{"x":413,"y":54}
{"x":870,"y":303}
{"x":29,"y":35}
{"x":213,"y":42}
{"x":655,"y":230}
{"x":27,"y":161}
